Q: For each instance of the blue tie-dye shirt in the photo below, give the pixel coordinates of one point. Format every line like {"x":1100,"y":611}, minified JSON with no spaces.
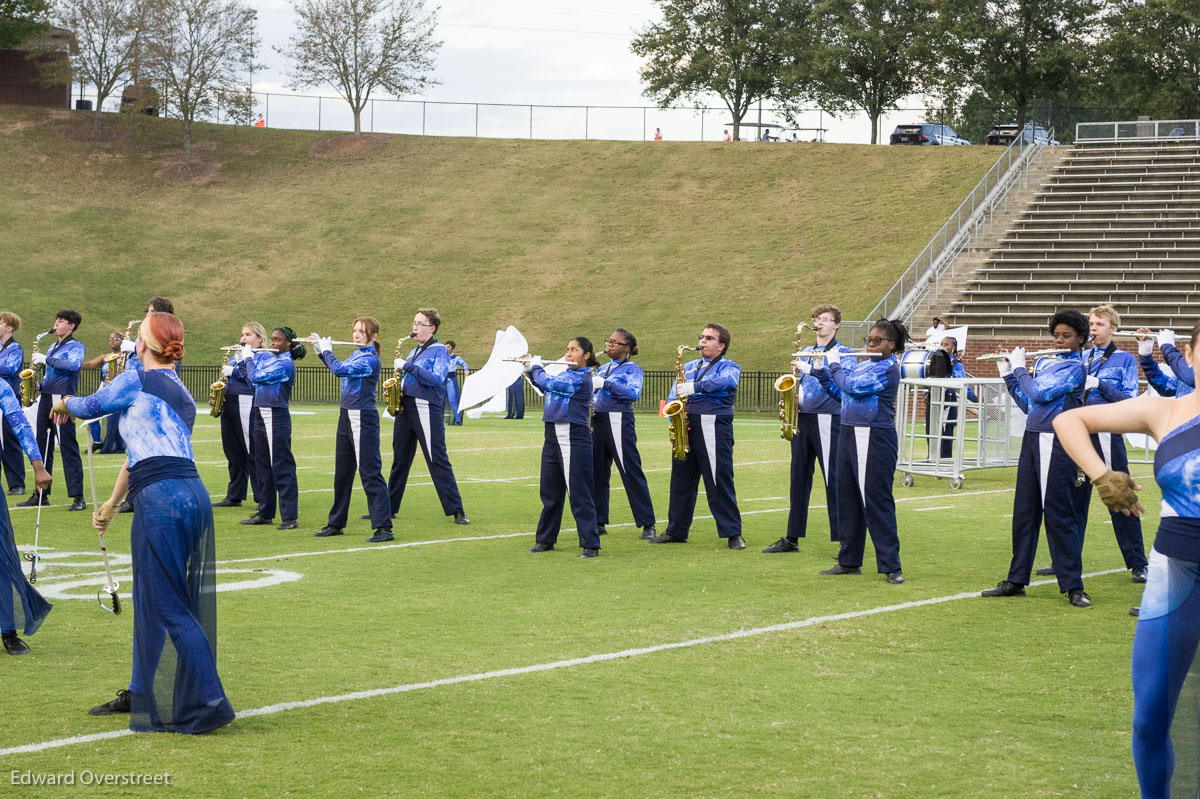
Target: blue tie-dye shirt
{"x":1118,"y":376}
{"x":360,"y":376}
{"x":1057,"y":388}
{"x":425,"y":373}
{"x":868,"y":392}
{"x":12,"y":357}
{"x":1165,"y":384}
{"x":149,"y":424}
{"x":813,"y":396}
{"x":237,"y":383}
{"x":10,"y":408}
{"x":716,"y":388}
{"x":63,"y":362}
{"x":1177,"y":470}
{"x":568,"y":395}
{"x":622,"y":386}
{"x":272,"y":375}
{"x":1184,"y":374}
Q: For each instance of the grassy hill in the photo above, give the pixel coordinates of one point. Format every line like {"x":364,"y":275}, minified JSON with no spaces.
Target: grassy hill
{"x":559,"y":238}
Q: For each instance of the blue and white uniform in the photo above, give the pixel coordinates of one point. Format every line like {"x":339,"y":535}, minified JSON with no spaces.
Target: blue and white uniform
{"x":235,"y":433}
{"x":113,"y":444}
{"x":16,"y":594}
{"x":1168,"y":625}
{"x":567,"y":458}
{"x":866,"y":461}
{"x":421,"y":422}
{"x":357,"y":447}
{"x":1045,"y":473}
{"x":950,"y":419}
{"x":273,"y":375}
{"x":1184,"y":373}
{"x":456,"y":363}
{"x":12,"y":357}
{"x":1117,"y":371}
{"x":514,"y":400}
{"x":614,"y":438}
{"x":818,"y":427}
{"x":174,"y":556}
{"x":1167,"y":385}
{"x":710,"y":453}
{"x":64,"y":359}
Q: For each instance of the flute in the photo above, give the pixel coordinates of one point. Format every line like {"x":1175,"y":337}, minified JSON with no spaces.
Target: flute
{"x":999,"y":356}
{"x":312,"y":339}
{"x":1151,"y":334}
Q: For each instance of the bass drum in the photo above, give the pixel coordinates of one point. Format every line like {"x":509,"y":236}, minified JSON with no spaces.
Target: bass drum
{"x":914,"y":364}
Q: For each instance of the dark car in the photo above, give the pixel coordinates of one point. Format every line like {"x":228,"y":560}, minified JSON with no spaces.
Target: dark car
{"x":926,"y":133}
{"x":1006,"y":134}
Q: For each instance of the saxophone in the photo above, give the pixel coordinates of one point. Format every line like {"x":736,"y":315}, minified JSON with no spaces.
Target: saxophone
{"x":393,"y":387}
{"x":786,"y":385}
{"x":28,"y":383}
{"x":216,"y":395}
{"x":676,"y":410}
{"x":124,"y":357}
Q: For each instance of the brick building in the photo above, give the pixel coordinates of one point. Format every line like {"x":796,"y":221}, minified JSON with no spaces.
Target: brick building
{"x":23,"y":71}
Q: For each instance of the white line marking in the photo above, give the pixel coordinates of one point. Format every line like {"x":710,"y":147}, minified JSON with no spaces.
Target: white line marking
{"x":936,"y":507}
{"x":540,"y":667}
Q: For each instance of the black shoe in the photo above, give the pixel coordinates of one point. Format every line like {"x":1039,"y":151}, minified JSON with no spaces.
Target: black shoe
{"x":737,"y":542}
{"x":1139,"y":575}
{"x":1079,"y":598}
{"x":77,"y":503}
{"x":1046,"y":571}
{"x":589,"y":552}
{"x":667,"y":538}
{"x":600,"y":530}
{"x":126,"y":507}
{"x":540,"y":547}
{"x":228,"y":503}
{"x":648,"y":532}
{"x":96,"y":447}
{"x":895,"y":578}
{"x":381,"y":535}
{"x":783,"y":545}
{"x":327,"y":531}
{"x":288,"y":524}
{"x":1005,"y":588}
{"x":16,"y":492}
{"x":838,"y":568}
{"x":256,"y":519}
{"x":1135,"y":610}
{"x":14,"y":645}
{"x":461,"y":518}
{"x":33,"y":501}
{"x":113,"y":706}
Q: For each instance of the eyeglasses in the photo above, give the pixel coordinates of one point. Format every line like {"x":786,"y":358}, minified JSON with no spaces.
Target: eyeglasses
{"x":708,"y":338}
{"x":612,"y":342}
{"x":875,"y":341}
{"x":823,"y":319}
{"x":421,"y":324}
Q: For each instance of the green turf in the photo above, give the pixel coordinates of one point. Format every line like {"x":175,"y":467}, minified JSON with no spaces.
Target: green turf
{"x":967,"y":698}
{"x":560,"y":238}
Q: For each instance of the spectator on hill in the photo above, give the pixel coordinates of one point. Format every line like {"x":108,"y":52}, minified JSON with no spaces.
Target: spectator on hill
{"x":260,"y":122}
{"x":727,"y":136}
{"x":766,"y":135}
{"x":658,"y":134}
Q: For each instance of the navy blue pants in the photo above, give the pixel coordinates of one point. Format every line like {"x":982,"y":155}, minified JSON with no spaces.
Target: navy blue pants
{"x":514,"y":400}
{"x":12,"y":457}
{"x":15,"y":591}
{"x":358,"y":451}
{"x":614,"y":439}
{"x":239,"y":449}
{"x":421,"y":422}
{"x":271,"y":437}
{"x":113,"y":443}
{"x":866,"y":464}
{"x":72,"y":462}
{"x":1045,"y":485}
{"x":710,"y":439}
{"x":567,"y":471}
{"x":950,"y":421}
{"x":816,"y":441}
{"x":452,"y":399}
{"x":1128,"y":529}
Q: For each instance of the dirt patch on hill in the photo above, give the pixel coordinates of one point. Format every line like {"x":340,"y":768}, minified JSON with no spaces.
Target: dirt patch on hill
{"x":87,"y":134}
{"x":349,"y":144}
{"x":195,"y":172}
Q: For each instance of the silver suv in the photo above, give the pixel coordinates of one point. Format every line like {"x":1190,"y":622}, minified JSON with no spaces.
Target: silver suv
{"x":926,"y":133}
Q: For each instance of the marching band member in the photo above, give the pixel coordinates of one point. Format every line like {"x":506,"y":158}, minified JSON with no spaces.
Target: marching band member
{"x":615,"y":387}
{"x":129,"y":346}
{"x":273,"y":376}
{"x":567,"y":459}
{"x":235,"y":421}
{"x":32,"y":606}
{"x":12,"y":358}
{"x":456,"y":363}
{"x":424,"y":386}
{"x":1185,"y":376}
{"x":1045,"y":473}
{"x":1166,"y":385}
{"x":710,"y":388}
{"x":514,"y":400}
{"x":358,"y":431}
{"x":1168,"y":625}
{"x":818,"y":423}
{"x":172,"y":541}
{"x":62,"y":361}
{"x":868,"y":448}
{"x":111,"y":438}
{"x":957,"y":372}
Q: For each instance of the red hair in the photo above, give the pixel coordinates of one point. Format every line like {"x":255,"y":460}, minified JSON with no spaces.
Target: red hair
{"x":163,"y":334}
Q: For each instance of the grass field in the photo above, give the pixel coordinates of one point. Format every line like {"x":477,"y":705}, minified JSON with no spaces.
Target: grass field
{"x":736,"y":673}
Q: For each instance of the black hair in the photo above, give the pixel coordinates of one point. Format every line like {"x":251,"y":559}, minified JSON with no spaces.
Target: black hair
{"x":297,"y":349}
{"x":161,"y":305}
{"x":70,"y":317}
{"x":896,"y":332}
{"x":1071,"y":318}
{"x":722,"y":336}
{"x":630,"y":339}
{"x":940,"y":364}
{"x":585,"y":344}
{"x":450,"y":344}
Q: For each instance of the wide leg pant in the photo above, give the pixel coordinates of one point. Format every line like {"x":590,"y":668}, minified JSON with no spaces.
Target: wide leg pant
{"x":421,"y":423}
{"x":1128,"y":529}
{"x":1045,"y":484}
{"x":815,"y":442}
{"x":710,"y":458}
{"x":16,"y":594}
{"x":72,"y":462}
{"x":11,"y":455}
{"x":271,"y":435}
{"x":452,"y":399}
{"x":614,"y":439}
{"x":357,"y":450}
{"x":567,"y":471}
{"x":235,"y":441}
{"x":866,"y":466}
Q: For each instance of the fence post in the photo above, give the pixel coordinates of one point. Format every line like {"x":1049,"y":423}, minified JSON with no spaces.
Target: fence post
{"x":267,"y":113}
{"x":422,"y":117}
{"x":530,"y":121}
{"x":318,"y":113}
{"x":701,"y":124}
{"x":477,"y":120}
{"x":372,"y":114}
{"x":587,"y":110}
{"x":643,"y":123}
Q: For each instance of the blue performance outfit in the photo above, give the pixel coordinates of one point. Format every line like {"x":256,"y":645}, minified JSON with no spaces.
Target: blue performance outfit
{"x":17,"y":595}
{"x":710,"y":453}
{"x":63,"y":362}
{"x":112,"y":444}
{"x":1184,"y":373}
{"x":12,"y":356}
{"x":273,"y":375}
{"x":357,"y":448}
{"x":1118,"y":374}
{"x":614,"y":438}
{"x":567,"y":458}
{"x":950,"y":418}
{"x":1167,"y":385}
{"x":818,"y":427}
{"x":456,"y":363}
{"x":866,"y":461}
{"x":1168,"y":626}
{"x":1046,"y":474}
{"x":235,"y":433}
{"x":421,"y":422}
{"x":175,"y":685}
{"x":514,"y":400}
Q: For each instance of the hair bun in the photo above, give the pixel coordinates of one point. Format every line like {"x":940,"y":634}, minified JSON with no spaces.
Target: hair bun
{"x":173,"y":351}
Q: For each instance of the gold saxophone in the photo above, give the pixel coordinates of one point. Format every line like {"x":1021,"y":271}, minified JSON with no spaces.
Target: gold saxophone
{"x":676,"y":409}
{"x":124,"y":357}
{"x":786,"y":385}
{"x":393,"y":387}
{"x":28,"y":380}
{"x":216,"y":395}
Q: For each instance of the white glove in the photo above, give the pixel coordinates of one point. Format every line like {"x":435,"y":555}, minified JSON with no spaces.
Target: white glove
{"x":1016,"y":358}
{"x":597,"y":382}
{"x":1091,"y":382}
{"x":536,"y":360}
{"x":833,"y":356}
{"x":398,"y":364}
{"x":1003,"y":367}
{"x":1165,"y":337}
{"x":245,"y":352}
{"x":38,"y":358}
{"x":323,"y":344}
{"x":226,"y":370}
{"x":128,"y":346}
{"x":1145,"y":346}
{"x":685,"y":390}
{"x":803,"y":366}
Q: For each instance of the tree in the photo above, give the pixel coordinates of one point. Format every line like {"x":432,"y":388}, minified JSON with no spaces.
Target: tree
{"x":1152,"y":56}
{"x":358,"y":46}
{"x":20,"y":19}
{"x":109,"y":34}
{"x":871,"y":54}
{"x":197,"y":51}
{"x":731,"y":48}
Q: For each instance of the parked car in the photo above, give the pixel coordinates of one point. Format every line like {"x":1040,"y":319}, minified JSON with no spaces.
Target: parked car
{"x":926,"y":133}
{"x":1006,"y":134}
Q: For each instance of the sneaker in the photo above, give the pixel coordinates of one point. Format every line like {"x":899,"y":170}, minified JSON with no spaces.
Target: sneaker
{"x":256,"y":519}
{"x":783,"y":545}
{"x":1139,"y":575}
{"x":327,"y":531}
{"x":17,"y":491}
{"x":737,"y":542}
{"x":648,"y":532}
{"x":77,"y":503}
{"x":14,"y":645}
{"x":461,"y":518}
{"x":600,"y":530}
{"x":895,"y":578}
{"x":288,"y":524}
{"x":540,"y":547}
{"x":589,"y":552}
{"x":228,"y":503}
{"x":113,"y":706}
{"x":1046,"y":571}
{"x":667,"y":538}
{"x":838,"y":568}
{"x":381,"y":535}
{"x":96,"y":447}
{"x":1134,"y":611}
{"x":125,"y":507}
{"x":1079,"y":598}
{"x":34,"y":500}
{"x":1005,"y":588}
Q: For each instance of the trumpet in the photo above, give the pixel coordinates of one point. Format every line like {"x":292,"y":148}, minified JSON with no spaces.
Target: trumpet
{"x":676,"y":410}
{"x":28,"y":382}
{"x":393,"y":387}
{"x":1000,"y":356}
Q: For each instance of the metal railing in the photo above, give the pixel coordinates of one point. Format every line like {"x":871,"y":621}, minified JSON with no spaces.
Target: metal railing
{"x":1138,"y":130}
